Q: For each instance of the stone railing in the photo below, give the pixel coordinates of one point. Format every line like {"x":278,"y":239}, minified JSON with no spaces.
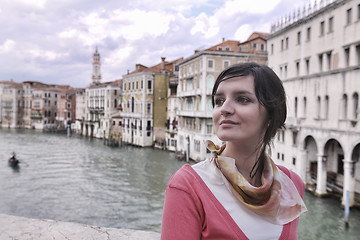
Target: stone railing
{"x":299,"y":14}
{"x":20,"y":228}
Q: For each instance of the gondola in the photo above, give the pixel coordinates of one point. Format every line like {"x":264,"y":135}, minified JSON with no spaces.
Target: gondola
{"x":13,"y":161}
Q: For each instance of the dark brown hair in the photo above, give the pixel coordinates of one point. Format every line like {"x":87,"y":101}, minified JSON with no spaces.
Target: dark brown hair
{"x":270,"y":93}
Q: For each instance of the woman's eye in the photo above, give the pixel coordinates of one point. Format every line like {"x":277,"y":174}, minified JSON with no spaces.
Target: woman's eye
{"x":219,"y":101}
{"x":243,"y":100}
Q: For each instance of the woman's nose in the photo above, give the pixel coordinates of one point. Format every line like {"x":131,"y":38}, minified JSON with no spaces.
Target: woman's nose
{"x":227,"y":107}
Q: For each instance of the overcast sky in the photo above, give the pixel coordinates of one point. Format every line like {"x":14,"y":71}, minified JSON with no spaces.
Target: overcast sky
{"x":52,"y":41}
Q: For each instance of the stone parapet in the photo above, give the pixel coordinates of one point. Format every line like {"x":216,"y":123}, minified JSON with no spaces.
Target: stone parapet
{"x":20,"y":228}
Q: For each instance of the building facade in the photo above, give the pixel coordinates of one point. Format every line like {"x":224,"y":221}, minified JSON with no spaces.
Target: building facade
{"x":317,"y":55}
{"x":197,"y":75}
{"x":144,"y":104}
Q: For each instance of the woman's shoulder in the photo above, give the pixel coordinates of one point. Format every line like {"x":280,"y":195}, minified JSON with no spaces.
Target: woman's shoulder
{"x":182,"y":177}
{"x":295,"y":178}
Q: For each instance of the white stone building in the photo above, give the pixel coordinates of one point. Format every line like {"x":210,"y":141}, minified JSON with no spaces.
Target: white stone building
{"x":316,"y":52}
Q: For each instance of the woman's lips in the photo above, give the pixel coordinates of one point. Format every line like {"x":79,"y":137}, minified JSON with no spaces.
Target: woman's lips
{"x":228,"y":123}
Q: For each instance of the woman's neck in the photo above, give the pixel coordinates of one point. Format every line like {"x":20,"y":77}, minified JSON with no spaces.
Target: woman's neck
{"x":245,"y":159}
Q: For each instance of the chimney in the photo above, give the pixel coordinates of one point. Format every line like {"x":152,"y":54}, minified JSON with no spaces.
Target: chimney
{"x":223,"y":39}
{"x":163,"y":64}
{"x":128,"y":71}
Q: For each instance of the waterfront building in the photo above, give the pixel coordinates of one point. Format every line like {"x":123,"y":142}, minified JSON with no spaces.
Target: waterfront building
{"x":172,"y":118}
{"x":144,"y":104}
{"x":102,"y":101}
{"x":80,"y":110}
{"x":11,"y":101}
{"x":33,"y":104}
{"x":66,"y":107}
{"x":316,"y":52}
{"x":197,"y":75}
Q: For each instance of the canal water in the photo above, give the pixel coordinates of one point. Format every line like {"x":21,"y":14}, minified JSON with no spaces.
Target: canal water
{"x":79,"y":179}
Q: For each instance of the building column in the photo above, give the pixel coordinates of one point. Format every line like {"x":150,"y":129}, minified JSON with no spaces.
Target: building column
{"x":349,"y":180}
{"x":321,"y":175}
{"x":303,"y":164}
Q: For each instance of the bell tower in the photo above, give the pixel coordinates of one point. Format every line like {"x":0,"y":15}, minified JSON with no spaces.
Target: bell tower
{"x":96,"y":71}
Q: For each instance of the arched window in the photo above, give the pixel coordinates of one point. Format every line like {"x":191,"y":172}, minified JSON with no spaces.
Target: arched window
{"x":355,"y":106}
{"x":344,"y":107}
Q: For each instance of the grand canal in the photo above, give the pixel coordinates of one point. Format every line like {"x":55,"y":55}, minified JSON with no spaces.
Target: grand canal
{"x":81,"y":180}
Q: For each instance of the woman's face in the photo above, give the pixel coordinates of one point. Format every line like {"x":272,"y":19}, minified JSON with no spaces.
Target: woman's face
{"x":238,"y":116}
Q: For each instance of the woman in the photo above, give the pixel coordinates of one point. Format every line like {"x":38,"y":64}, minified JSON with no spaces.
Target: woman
{"x":239,"y":193}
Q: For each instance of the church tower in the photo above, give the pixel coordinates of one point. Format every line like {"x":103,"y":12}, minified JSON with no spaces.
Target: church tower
{"x":96,"y":73}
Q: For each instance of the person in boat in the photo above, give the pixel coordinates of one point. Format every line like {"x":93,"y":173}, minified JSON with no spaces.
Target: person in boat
{"x":238,"y":193}
{"x":13,"y":160}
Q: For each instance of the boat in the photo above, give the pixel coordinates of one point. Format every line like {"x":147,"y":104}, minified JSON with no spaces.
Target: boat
{"x":13,"y":161}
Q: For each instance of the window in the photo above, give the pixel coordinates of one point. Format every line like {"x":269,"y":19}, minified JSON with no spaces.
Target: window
{"x":357,"y":54}
{"x":226,"y":64}
{"x":358,"y":10}
{"x":209,"y":128}
{"x":307,"y":65}
{"x":328,"y":55}
{"x":297,"y":63}
{"x":318,"y":107}
{"x":326,"y":107}
{"x":320,"y":62}
{"x":355,"y":106}
{"x":69,"y":115}
{"x":149,"y":85}
{"x":294,"y":161}
{"x":348,"y":16}
{"x":322,"y":28}
{"x":296,"y":107}
{"x":272,"y":48}
{"x":287,"y":43}
{"x":303,"y":114}
{"x":308,"y":34}
{"x":285,"y":71}
{"x":294,"y":137}
{"x":298,"y":38}
{"x":254,"y":46}
{"x":148,"y":108}
{"x":344,"y":107}
{"x":331,"y":24}
{"x":347,"y":56}
{"x":262,"y":47}
{"x":211,"y":64}
{"x":282,"y":44}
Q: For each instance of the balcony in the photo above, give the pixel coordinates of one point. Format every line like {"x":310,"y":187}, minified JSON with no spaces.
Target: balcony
{"x":189,"y":93}
{"x":191,"y":113}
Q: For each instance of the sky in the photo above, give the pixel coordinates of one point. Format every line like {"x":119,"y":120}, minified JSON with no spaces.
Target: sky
{"x":53,"y":41}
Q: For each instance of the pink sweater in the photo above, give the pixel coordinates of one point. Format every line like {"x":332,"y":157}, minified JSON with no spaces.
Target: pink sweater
{"x":191,"y":211}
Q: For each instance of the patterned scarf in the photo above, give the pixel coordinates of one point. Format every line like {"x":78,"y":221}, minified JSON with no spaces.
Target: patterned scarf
{"x":277,"y":199}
